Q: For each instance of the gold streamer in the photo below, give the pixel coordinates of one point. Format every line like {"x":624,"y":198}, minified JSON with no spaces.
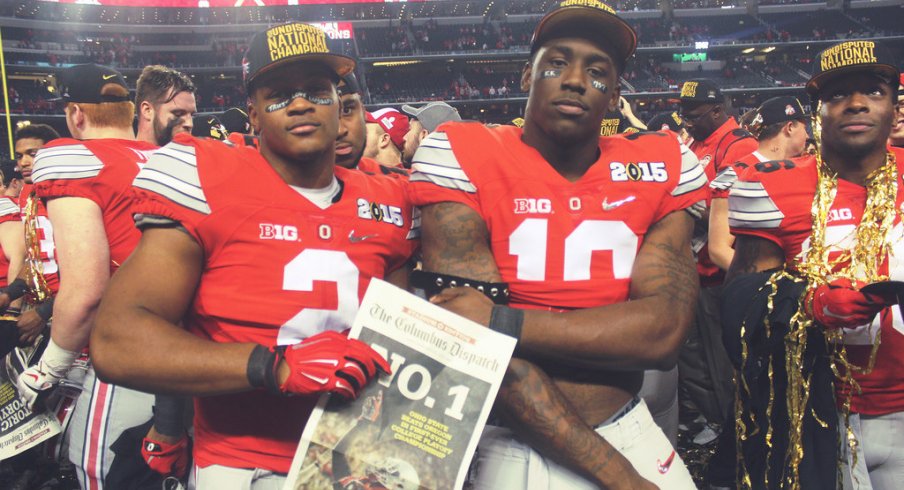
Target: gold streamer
{"x":34,"y":267}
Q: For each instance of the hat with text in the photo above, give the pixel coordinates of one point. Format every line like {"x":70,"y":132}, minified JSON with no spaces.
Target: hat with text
{"x":666,"y":120}
{"x":590,"y":18}
{"x":287,"y":43}
{"x":208,"y":127}
{"x":393,"y":122}
{"x":433,"y":114}
{"x":700,"y":91}
{"x":85,"y":84}
{"x":849,"y":57}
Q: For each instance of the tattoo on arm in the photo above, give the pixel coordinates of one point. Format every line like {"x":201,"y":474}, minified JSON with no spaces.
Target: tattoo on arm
{"x":535,"y":408}
{"x":455,"y":241}
{"x":665,"y":265}
{"x":754,"y":254}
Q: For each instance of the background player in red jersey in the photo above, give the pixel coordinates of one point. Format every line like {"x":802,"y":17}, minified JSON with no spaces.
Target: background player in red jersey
{"x":85,"y":182}
{"x":386,"y":129}
{"x":263,"y":274}
{"x":852,"y":184}
{"x":780,"y":127}
{"x":575,"y":225}
{"x":165,"y":102}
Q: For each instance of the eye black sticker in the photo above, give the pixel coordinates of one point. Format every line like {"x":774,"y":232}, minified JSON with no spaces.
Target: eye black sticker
{"x":550,"y":74}
{"x":304,"y":95}
{"x":599,"y":85}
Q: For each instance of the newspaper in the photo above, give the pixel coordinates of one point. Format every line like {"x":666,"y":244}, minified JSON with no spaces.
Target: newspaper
{"x":419,"y":426}
{"x":20,"y":428}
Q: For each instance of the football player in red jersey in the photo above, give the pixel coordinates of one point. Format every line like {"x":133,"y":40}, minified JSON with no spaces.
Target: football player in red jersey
{"x":810,"y":216}
{"x":573,"y":225}
{"x":165,"y":102}
{"x":30,"y":139}
{"x":781,"y":129}
{"x":12,"y":250}
{"x":239,"y":285}
{"x":86,"y":183}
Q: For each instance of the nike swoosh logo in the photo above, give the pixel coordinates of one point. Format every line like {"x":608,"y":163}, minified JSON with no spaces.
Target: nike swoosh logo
{"x":355,"y":239}
{"x":107,"y":77}
{"x":609,"y":206}
{"x":664,"y":467}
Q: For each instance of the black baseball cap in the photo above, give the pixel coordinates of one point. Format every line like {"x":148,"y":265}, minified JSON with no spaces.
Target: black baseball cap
{"x":569,"y":18}
{"x":849,"y":57}
{"x":208,"y":127}
{"x":779,"y":110}
{"x":236,"y":120}
{"x":287,"y":43}
{"x":84,"y":84}
{"x":700,"y":91}
{"x":349,"y":85}
{"x":666,"y":120}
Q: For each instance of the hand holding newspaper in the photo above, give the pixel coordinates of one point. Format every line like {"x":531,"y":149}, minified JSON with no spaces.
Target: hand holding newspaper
{"x":417,"y":427}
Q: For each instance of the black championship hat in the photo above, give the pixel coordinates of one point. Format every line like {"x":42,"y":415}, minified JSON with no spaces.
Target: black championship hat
{"x":84,"y":83}
{"x":236,"y":120}
{"x":849,"y":57}
{"x":666,"y":120}
{"x":208,"y":127}
{"x":570,"y":17}
{"x":287,"y":43}
{"x":779,"y":110}
{"x":700,"y":91}
{"x":349,"y":85}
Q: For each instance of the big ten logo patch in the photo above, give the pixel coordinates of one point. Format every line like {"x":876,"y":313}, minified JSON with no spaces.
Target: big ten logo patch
{"x":640,"y":171}
{"x":295,"y":39}
{"x":271,"y":231}
{"x":380,"y":212}
{"x":532,"y":205}
{"x":689,"y":89}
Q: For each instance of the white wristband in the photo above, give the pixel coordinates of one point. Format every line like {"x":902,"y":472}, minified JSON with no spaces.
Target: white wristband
{"x":57,"y":360}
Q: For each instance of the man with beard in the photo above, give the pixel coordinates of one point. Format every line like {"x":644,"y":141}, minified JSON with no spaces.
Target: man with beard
{"x":386,"y":130}
{"x":830,"y":223}
{"x":424,"y":120}
{"x":165,"y":102}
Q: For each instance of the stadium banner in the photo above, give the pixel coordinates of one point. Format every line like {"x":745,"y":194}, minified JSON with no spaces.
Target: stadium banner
{"x":417,"y":427}
{"x":336,"y":30}
{"x":218,"y":3}
{"x":20,"y":428}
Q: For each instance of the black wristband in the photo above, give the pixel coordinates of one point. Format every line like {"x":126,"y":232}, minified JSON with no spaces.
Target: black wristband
{"x":506,"y":320}
{"x":169,"y":414}
{"x":45,"y":309}
{"x":261,"y":370}
{"x":16,"y":289}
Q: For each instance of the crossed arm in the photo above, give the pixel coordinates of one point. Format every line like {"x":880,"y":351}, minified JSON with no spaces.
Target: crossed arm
{"x":645,"y":332}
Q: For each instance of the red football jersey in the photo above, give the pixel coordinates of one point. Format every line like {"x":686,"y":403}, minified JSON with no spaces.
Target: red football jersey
{"x":49,"y":266}
{"x":372,"y":166}
{"x":726,"y":145}
{"x":773,"y":202}
{"x":9,"y":211}
{"x":278,"y":269}
{"x":101,"y":170}
{"x":559,"y":244}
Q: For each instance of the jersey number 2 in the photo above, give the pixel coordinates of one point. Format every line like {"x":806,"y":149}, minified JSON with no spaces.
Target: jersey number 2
{"x":300,"y":274}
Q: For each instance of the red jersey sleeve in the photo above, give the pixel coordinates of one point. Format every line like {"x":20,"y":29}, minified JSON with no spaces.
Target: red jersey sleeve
{"x":68,"y":168}
{"x":9,"y":210}
{"x":168,"y":188}
{"x":437,"y":175}
{"x":752,"y":210}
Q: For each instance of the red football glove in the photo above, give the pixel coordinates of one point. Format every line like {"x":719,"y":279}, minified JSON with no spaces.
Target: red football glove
{"x":330,"y":362}
{"x":839,"y":304}
{"x":165,"y":458}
